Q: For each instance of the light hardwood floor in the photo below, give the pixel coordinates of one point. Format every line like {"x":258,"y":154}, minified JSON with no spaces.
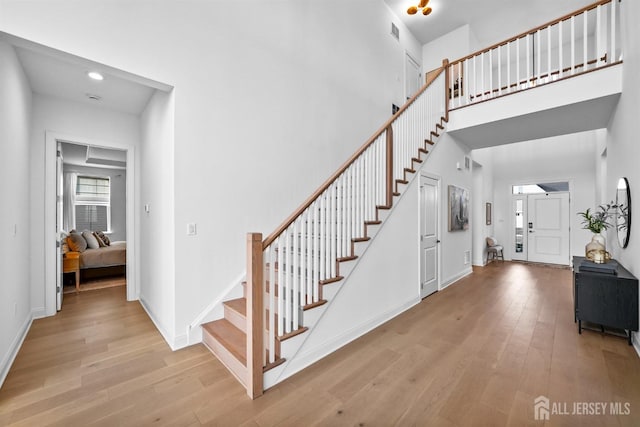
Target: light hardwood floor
{"x":477,"y":353}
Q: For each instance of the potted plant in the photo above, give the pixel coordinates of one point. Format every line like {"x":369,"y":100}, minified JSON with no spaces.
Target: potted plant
{"x":597,"y":222}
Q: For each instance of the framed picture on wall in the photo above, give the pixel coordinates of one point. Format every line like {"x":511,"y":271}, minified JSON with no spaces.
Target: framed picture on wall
{"x":458,"y":208}
{"x":488,"y":213}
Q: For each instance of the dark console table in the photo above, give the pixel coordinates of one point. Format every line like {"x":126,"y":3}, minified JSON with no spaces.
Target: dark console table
{"x":608,"y":300}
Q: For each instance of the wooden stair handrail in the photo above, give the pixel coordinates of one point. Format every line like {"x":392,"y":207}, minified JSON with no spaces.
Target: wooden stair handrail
{"x":282,"y":227}
{"x":533,"y":30}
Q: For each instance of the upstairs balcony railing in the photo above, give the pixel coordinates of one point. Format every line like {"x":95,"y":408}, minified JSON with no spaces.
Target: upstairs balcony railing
{"x":576,"y":43}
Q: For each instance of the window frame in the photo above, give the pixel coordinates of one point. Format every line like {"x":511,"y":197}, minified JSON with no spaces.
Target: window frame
{"x":95,"y":201}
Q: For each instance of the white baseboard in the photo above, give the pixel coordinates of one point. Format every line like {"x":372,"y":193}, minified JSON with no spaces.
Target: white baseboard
{"x":12,"y":352}
{"x":307,"y":358}
{"x":169,"y":338}
{"x":38,"y":313}
{"x":451,"y":280}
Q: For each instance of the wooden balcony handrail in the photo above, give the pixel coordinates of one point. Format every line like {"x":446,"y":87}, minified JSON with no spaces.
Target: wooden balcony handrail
{"x":533,"y":30}
{"x":282,"y":227}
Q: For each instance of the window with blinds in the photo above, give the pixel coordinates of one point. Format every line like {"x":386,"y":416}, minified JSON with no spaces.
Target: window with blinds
{"x":93,"y":203}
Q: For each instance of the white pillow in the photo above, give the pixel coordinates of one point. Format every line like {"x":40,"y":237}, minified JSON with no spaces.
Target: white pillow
{"x":92,"y":242}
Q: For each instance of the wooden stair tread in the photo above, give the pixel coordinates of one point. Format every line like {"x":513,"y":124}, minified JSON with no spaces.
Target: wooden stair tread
{"x":232,"y":338}
{"x":428,"y":141}
{"x":239,"y":305}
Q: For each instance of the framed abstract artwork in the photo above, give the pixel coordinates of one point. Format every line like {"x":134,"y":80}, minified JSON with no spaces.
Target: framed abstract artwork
{"x":458,"y":208}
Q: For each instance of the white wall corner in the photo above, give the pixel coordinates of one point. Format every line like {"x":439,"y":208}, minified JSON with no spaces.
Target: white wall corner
{"x":168,"y":337}
{"x":12,"y":352}
{"x":38,"y":313}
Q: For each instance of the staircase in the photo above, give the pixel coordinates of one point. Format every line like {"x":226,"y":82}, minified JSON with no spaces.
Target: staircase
{"x":293,"y":273}
{"x":325,"y":239}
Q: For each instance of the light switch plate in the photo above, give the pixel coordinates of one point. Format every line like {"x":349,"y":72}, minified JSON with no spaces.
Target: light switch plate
{"x":191,"y":229}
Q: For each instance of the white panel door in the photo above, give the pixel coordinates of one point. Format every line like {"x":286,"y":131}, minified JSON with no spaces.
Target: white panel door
{"x":428,"y":236}
{"x":412,"y":77}
{"x":59,"y":207}
{"x":548,"y":228}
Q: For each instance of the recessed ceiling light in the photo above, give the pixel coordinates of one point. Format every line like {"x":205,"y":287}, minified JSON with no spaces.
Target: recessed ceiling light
{"x":95,"y":75}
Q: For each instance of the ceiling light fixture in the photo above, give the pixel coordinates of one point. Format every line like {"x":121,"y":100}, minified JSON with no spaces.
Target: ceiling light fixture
{"x":412,"y":10}
{"x":95,"y":75}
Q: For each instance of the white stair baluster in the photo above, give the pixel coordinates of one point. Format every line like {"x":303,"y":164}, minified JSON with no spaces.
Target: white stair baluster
{"x":297,"y":272}
{"x":286,"y":295}
{"x":612,"y":53}
{"x":585,"y":41}
{"x":598,"y":36}
{"x":573,"y":45}
{"x":277,"y":288}
{"x":271,"y":259}
{"x":323,"y":235}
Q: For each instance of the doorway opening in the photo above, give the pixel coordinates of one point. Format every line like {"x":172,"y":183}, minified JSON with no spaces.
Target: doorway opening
{"x":101,"y":163}
{"x":92,"y":217}
{"x":541,"y":223}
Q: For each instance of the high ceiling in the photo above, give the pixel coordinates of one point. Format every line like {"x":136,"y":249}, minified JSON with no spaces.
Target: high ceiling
{"x":491,"y":20}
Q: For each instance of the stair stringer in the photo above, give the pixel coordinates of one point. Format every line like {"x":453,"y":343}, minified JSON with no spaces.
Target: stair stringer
{"x":354,"y":293}
{"x":215,"y":310}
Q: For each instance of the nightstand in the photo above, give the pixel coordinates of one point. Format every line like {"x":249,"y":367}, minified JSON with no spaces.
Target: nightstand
{"x":71,"y":264}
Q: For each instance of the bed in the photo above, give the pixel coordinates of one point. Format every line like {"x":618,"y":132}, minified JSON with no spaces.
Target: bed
{"x":94,"y":261}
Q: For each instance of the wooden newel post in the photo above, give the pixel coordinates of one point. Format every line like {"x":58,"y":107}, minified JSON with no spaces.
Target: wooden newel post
{"x":389,"y":166}
{"x":445,"y":65}
{"x":255,"y":316}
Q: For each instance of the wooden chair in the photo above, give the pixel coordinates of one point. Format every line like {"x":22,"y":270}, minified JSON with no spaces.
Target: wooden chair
{"x":494,"y":250}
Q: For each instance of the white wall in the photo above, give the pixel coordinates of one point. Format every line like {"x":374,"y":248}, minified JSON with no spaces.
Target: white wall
{"x":563,"y":158}
{"x":157,"y":227}
{"x":482,"y":194}
{"x":15,"y":113}
{"x":454,"y":45}
{"x":118,"y":198}
{"x":269,"y":102}
{"x":623,"y":150}
{"x":69,"y":118}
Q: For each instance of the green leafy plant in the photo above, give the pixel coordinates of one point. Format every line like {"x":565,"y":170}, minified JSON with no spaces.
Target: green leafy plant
{"x":597,"y":221}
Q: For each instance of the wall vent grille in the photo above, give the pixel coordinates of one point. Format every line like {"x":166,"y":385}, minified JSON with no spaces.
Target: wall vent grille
{"x":395,"y":31}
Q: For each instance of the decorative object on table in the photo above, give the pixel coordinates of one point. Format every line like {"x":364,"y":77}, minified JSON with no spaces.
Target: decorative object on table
{"x":488,"y":213}
{"x":597,"y":222}
{"x":623,"y":212}
{"x":458,"y":208}
{"x":610,"y":267}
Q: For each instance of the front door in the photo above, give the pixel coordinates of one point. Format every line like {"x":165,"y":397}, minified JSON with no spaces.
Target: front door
{"x":548,"y":228}
{"x":428,"y":236}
